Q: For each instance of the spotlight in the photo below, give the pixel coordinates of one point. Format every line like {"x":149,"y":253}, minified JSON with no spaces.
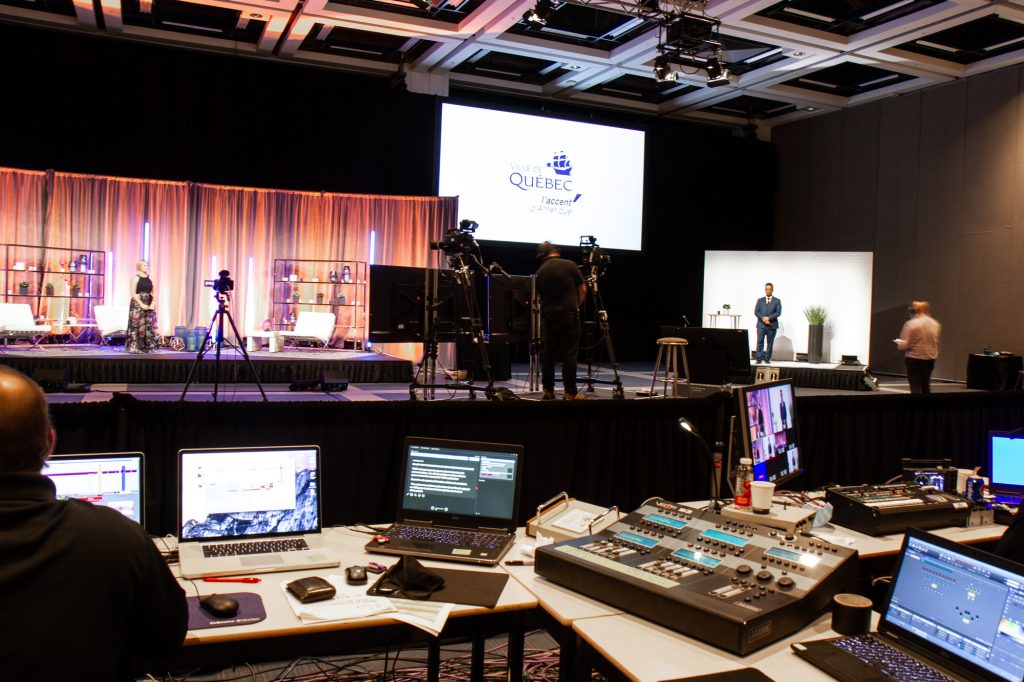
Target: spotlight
{"x":538,"y":16}
{"x":663,"y":72}
{"x":717,"y":74}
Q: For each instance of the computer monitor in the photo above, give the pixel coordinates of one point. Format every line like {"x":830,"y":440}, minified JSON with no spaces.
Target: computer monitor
{"x":112,"y":480}
{"x":1006,"y":465}
{"x":769,"y":425}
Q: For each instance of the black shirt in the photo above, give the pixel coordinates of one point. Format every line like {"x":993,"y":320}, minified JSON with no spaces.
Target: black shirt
{"x":558,"y":281}
{"x":82,"y":588}
{"x":145,"y":285}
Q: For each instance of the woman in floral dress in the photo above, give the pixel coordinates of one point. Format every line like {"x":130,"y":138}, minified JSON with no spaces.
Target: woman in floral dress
{"x":142,"y":334}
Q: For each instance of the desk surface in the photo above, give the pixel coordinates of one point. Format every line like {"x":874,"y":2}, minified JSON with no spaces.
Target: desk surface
{"x":882,"y":545}
{"x":646,"y":652}
{"x":282,"y":621}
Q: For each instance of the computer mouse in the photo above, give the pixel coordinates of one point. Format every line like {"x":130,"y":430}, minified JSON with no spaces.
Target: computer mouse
{"x":355,"y":575}
{"x":219,"y":605}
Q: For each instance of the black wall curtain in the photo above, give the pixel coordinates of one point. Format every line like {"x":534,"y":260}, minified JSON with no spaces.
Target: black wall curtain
{"x":606,"y":452}
{"x":850,"y":440}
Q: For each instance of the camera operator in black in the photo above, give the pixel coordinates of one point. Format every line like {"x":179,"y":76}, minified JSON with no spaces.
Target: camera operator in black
{"x":561,"y":290}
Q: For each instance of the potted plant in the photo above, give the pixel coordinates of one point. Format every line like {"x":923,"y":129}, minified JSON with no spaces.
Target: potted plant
{"x":816,"y":317}
{"x":295,"y":295}
{"x":49,"y":289}
{"x":23,"y":288}
{"x":75,"y":290}
{"x":319,"y":297}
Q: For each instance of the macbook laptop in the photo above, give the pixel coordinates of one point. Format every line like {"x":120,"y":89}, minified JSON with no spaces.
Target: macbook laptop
{"x":953,"y":612}
{"x":1006,"y":467}
{"x":250,"y":510}
{"x":112,"y":479}
{"x":459,"y":501}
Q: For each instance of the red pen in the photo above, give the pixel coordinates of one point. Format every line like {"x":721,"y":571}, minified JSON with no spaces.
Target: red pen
{"x":231,"y":580}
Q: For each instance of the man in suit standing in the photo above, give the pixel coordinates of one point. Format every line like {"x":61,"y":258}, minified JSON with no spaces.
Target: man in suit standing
{"x":767,"y":311}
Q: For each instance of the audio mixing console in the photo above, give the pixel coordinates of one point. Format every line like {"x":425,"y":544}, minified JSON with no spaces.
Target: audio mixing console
{"x":893,"y":508}
{"x":736,"y":585}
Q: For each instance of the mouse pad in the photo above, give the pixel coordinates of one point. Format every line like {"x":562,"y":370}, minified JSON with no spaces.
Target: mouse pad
{"x":474,"y":588}
{"x":250,"y":610}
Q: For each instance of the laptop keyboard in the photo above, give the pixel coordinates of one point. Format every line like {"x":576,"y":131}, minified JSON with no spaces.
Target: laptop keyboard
{"x":448,"y":536}
{"x":256,"y":547}
{"x":888,"y":660}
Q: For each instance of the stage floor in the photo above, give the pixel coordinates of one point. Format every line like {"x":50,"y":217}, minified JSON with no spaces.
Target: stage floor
{"x":90,"y":364}
{"x":635,"y":377}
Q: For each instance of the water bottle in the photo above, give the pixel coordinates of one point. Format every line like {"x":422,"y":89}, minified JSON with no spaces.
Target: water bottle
{"x":744,"y":476}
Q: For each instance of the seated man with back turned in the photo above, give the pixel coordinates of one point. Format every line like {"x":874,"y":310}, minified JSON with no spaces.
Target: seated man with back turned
{"x":83,"y":590}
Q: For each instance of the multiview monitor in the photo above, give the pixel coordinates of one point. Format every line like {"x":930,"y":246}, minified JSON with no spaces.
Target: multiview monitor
{"x":768,"y":419}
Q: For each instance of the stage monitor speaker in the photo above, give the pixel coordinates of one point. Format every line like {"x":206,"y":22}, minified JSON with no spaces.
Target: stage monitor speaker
{"x":51,"y":380}
{"x":333,"y":380}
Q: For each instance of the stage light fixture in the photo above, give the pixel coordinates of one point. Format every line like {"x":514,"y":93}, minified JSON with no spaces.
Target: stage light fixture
{"x":663,"y":72}
{"x":717,"y":74}
{"x":538,"y":16}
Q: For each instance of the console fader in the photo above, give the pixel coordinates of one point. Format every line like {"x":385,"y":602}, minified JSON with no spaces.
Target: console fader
{"x":732,"y":584}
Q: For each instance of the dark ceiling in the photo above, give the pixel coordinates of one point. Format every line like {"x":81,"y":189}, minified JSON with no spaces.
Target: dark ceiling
{"x":788,"y":60}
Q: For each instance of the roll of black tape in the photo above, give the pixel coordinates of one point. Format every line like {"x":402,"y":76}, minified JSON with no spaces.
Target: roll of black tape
{"x":851,"y":614}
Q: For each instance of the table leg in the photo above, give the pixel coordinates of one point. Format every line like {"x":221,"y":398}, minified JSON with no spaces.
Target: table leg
{"x":477,"y":659}
{"x":516,"y":644}
{"x":434,"y":660}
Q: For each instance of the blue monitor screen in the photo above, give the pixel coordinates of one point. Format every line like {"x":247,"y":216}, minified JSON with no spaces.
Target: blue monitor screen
{"x":768,"y":417}
{"x":1006,"y":468}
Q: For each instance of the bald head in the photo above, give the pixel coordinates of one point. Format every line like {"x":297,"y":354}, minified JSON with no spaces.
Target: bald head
{"x":921,"y":307}
{"x":26,"y":435}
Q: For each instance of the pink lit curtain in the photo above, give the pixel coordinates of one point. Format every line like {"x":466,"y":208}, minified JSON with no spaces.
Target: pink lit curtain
{"x":197,"y":230}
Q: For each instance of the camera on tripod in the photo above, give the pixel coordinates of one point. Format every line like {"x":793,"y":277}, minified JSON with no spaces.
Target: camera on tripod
{"x":593,"y":256}
{"x":458,"y":239}
{"x":222,"y":285}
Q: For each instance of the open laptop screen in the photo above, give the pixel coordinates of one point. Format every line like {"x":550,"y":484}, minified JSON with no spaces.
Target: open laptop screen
{"x":1006,"y":464}
{"x":461,"y":480}
{"x":961,"y":604}
{"x":107,"y":479}
{"x":248,"y":492}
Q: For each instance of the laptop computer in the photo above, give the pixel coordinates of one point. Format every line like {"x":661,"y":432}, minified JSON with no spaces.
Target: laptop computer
{"x":1006,"y":466}
{"x":108,"y":479}
{"x":952,"y":612}
{"x":459,"y":501}
{"x":250,"y":510}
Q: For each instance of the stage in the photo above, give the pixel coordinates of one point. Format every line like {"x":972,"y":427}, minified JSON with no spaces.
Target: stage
{"x":822,"y":375}
{"x":90,"y":364}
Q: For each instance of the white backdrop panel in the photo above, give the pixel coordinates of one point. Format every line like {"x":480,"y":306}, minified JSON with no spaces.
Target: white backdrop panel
{"x":839,"y":281}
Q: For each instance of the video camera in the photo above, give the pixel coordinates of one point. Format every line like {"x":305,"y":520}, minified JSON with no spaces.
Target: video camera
{"x":458,"y":239}
{"x":222,"y":285}
{"x":593,"y":256}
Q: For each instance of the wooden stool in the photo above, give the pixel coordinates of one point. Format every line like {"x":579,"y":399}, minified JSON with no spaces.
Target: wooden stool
{"x":676,"y":348}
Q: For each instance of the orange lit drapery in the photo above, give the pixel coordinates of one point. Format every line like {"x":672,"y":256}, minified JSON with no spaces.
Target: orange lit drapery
{"x":192,"y":224}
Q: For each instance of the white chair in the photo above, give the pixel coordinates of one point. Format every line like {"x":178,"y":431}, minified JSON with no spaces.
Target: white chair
{"x":313,"y":326}
{"x":16,"y":322}
{"x":111,"y":320}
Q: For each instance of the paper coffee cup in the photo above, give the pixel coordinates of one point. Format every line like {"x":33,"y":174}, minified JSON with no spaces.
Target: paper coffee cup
{"x":761,"y":493}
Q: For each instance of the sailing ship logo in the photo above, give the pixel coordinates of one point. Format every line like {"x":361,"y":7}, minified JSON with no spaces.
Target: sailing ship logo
{"x":561,"y":164}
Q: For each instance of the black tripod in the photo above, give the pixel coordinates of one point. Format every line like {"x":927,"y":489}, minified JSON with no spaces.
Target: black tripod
{"x":218,"y":320}
{"x":468,"y":329}
{"x":594,"y":302}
